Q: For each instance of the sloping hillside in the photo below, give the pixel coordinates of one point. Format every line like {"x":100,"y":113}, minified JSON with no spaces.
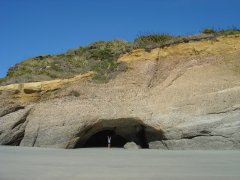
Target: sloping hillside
{"x":100,"y":56}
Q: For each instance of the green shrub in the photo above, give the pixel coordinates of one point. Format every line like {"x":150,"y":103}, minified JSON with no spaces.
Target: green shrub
{"x":208,"y":31}
{"x":101,"y":78}
{"x":231,"y":31}
{"x":2,"y":80}
{"x":71,"y":52}
{"x":152,"y":39}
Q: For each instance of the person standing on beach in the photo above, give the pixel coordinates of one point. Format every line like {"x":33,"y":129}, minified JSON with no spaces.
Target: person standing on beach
{"x":109,"y":141}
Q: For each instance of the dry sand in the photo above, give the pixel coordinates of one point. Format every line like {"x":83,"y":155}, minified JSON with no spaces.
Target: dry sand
{"x":22,"y":163}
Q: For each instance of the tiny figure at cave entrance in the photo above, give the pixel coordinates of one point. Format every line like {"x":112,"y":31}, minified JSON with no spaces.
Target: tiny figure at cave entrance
{"x":109,"y":141}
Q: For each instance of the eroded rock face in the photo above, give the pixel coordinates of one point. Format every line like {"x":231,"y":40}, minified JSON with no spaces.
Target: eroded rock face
{"x":173,"y":98}
{"x":203,"y":143}
{"x":157,"y":145}
{"x":13,"y":126}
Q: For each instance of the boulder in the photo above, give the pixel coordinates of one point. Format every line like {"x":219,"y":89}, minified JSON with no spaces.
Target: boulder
{"x":131,"y":145}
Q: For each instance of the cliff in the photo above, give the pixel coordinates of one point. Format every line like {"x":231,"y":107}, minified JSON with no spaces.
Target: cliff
{"x":180,"y":96}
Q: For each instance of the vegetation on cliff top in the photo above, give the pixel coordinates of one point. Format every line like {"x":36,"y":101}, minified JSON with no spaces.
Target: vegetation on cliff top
{"x":100,"y":56}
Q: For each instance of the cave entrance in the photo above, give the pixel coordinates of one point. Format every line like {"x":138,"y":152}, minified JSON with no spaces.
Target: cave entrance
{"x":121,"y":131}
{"x":100,"y":139}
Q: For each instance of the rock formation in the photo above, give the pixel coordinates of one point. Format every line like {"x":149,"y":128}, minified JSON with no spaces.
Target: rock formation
{"x":185,"y":96}
{"x":131,"y":145}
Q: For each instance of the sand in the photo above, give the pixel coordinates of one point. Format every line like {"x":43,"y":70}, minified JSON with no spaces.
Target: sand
{"x":22,"y":163}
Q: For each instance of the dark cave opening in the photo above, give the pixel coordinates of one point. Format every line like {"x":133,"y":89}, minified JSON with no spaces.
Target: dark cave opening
{"x":121,"y":131}
{"x":100,"y":139}
{"x":141,"y":137}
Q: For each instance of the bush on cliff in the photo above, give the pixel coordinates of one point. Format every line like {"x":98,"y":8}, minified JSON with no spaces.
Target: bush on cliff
{"x":151,"y":40}
{"x":231,"y":31}
{"x":208,"y":31}
{"x":222,"y":32}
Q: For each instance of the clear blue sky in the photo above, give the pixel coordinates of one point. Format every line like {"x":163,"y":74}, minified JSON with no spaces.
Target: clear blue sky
{"x":32,"y":27}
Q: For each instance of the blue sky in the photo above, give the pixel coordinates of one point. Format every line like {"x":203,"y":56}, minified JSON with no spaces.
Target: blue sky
{"x":32,"y":27}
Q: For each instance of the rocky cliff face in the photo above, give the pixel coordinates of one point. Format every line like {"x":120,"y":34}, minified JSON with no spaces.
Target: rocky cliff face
{"x":185,"y":96}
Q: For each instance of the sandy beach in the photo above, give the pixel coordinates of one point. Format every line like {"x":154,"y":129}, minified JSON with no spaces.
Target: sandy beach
{"x":22,"y":163}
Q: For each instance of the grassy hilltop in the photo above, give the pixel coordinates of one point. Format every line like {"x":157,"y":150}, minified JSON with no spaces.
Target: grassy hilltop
{"x":100,"y":56}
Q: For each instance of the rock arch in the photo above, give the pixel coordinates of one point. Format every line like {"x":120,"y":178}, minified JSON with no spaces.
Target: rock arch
{"x":122,"y":130}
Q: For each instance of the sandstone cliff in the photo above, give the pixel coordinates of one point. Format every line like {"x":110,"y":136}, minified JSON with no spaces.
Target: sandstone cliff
{"x":184,"y":96}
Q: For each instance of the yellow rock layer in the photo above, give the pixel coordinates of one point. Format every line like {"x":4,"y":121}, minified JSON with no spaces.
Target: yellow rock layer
{"x":219,"y":46}
{"x":31,"y":91}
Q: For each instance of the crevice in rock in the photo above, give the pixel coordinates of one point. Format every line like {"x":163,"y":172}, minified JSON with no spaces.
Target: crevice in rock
{"x":205,"y":132}
{"x":165,"y":144}
{"x":222,"y":112}
{"x":178,"y":75}
{"x":192,"y":137}
{"x":155,"y":73}
{"x":22,"y":120}
{"x":35,"y":138}
{"x":202,"y":135}
{"x":15,"y":136}
{"x":18,"y":135}
{"x":11,"y":110}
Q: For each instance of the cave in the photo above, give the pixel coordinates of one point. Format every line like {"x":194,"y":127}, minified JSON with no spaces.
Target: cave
{"x":121,"y":131}
{"x":100,"y":139}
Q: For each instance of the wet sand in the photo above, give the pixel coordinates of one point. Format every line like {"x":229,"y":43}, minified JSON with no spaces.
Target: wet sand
{"x":22,"y":163}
